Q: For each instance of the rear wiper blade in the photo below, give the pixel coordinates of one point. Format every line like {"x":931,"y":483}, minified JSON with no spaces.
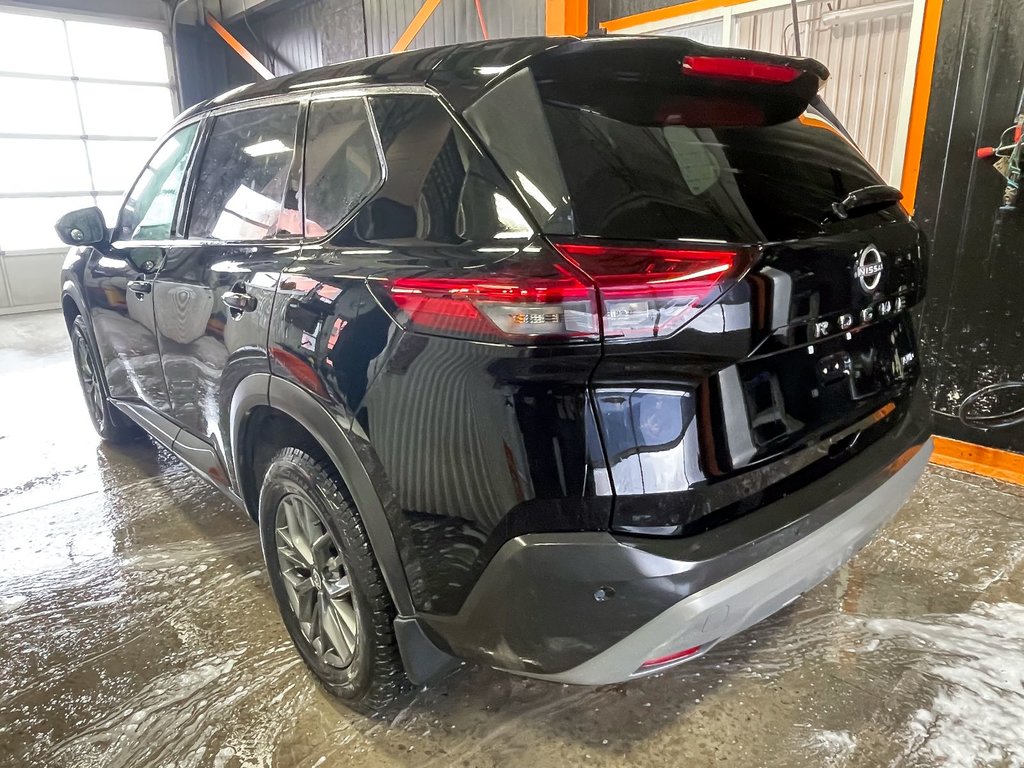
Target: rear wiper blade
{"x":865,"y":199}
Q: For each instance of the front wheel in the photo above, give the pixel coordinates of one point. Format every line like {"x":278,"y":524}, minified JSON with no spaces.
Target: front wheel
{"x":112,"y":425}
{"x":328,"y":585}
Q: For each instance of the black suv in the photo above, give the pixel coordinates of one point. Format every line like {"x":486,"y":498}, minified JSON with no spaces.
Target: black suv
{"x":570,"y":357}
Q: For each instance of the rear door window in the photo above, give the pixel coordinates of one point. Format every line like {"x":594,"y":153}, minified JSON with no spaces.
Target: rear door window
{"x":342,"y":167}
{"x":244,"y":175}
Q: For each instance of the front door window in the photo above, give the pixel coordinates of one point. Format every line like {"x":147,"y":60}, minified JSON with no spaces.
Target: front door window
{"x":148,"y":214}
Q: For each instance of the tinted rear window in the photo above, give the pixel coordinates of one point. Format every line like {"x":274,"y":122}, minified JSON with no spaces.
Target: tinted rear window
{"x":608,"y":137}
{"x":764,"y":183}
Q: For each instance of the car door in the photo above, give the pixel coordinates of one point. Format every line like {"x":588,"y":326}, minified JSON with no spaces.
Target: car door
{"x":215,"y":289}
{"x":118,"y":280}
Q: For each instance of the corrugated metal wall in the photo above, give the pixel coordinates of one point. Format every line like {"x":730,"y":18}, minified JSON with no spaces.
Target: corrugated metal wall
{"x":867,"y":58}
{"x":454,"y":21}
{"x":708,"y":32}
{"x":603,"y":10}
{"x":302,"y":35}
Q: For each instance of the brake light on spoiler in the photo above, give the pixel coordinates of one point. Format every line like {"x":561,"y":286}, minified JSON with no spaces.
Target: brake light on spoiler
{"x":594,"y":291}
{"x":739,"y":69}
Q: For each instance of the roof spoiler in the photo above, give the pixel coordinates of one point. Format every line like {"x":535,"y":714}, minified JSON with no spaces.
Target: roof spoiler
{"x":671,"y":80}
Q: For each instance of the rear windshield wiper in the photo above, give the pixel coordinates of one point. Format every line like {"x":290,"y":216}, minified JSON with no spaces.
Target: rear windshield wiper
{"x":865,"y":200}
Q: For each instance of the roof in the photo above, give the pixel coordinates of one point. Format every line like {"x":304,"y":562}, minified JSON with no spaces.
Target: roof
{"x":459,"y":72}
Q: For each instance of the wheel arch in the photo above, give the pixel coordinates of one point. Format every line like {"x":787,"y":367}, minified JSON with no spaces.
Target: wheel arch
{"x":71,"y":303}
{"x":266,"y":403}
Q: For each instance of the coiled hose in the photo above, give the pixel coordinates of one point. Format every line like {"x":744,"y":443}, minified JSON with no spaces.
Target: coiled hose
{"x":994,"y":420}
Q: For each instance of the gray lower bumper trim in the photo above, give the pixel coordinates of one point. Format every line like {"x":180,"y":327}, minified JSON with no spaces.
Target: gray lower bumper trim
{"x":747,"y":597}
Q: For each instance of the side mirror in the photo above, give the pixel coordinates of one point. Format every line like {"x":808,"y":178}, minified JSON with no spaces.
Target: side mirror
{"x":83,"y":227}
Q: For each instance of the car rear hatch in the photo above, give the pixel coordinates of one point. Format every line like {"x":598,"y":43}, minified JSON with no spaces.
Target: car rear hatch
{"x":755,"y":275}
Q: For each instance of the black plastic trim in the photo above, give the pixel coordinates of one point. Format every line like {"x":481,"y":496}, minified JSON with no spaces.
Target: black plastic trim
{"x":546,"y":603}
{"x":424,"y":662}
{"x":301,"y":406}
{"x":252,"y":391}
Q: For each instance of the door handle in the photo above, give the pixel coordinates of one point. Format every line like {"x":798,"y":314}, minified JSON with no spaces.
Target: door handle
{"x":140,"y":288}
{"x":238,"y":302}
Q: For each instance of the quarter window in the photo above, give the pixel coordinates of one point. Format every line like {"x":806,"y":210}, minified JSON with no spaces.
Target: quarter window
{"x":440,"y":188}
{"x":243,"y":179}
{"x":148,"y":213}
{"x":342,"y":167}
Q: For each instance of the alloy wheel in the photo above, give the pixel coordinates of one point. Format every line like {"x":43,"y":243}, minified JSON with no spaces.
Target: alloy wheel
{"x":87,"y":376}
{"x":316,"y":581}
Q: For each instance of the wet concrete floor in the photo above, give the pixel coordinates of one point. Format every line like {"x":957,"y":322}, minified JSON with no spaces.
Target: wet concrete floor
{"x":137,"y":628}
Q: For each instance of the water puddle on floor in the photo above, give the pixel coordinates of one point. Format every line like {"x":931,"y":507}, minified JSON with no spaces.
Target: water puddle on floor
{"x":137,"y":628}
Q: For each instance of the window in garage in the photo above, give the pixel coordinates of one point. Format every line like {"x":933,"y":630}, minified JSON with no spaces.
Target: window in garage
{"x":83,"y":102}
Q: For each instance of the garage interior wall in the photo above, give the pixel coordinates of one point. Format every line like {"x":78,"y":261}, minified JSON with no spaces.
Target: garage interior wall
{"x":973,"y":326}
{"x":292,"y":36}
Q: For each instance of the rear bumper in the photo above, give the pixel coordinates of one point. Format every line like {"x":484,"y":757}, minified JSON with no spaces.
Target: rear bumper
{"x":592,"y":607}
{"x":737,"y":602}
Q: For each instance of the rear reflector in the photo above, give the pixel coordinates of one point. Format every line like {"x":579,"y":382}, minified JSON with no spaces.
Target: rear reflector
{"x":671,"y":657}
{"x":593,"y":291}
{"x":739,"y":69}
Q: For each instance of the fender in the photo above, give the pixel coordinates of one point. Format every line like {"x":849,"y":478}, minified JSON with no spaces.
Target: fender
{"x":71,"y":289}
{"x":293,"y":401}
{"x":71,"y":278}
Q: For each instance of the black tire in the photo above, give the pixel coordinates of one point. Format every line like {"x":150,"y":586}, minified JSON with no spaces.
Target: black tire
{"x":111,"y":425}
{"x":374,"y":677}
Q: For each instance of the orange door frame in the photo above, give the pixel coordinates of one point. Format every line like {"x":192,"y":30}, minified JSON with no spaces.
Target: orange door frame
{"x":565,"y":17}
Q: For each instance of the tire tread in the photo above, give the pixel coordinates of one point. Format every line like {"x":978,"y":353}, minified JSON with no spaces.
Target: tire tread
{"x":388,"y":682}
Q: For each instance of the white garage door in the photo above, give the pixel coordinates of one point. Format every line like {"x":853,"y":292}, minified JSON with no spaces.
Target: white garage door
{"x":83,"y":102}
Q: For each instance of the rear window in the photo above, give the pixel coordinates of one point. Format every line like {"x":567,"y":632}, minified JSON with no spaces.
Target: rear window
{"x":624,"y":146}
{"x":765,"y":183}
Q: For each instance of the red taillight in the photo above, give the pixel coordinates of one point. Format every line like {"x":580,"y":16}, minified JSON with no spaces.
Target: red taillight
{"x":739,"y":69}
{"x":649,"y":292}
{"x":619,"y":293}
{"x":500,"y":307}
{"x":671,"y":657}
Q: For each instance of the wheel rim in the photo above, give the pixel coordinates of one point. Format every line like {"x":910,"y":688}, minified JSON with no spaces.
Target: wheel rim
{"x":88,"y":379}
{"x":316,"y":581}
